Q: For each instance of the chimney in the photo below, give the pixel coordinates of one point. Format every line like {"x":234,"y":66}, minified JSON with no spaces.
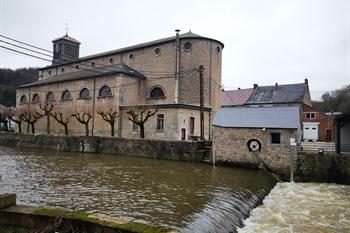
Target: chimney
{"x":255,"y":86}
{"x":306,"y":81}
{"x":177,"y":66}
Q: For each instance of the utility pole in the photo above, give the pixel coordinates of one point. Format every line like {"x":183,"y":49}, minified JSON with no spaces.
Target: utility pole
{"x":201,"y":100}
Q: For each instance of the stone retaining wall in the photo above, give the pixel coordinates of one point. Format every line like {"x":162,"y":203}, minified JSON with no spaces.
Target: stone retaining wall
{"x":322,"y":168}
{"x":149,"y":148}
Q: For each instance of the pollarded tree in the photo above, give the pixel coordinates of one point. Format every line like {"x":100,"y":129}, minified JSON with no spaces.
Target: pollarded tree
{"x":84,"y":116}
{"x":47,"y":109}
{"x":109,"y":114}
{"x":15,"y":116}
{"x":141,"y":118}
{"x":63,"y":118}
{"x":30,"y":115}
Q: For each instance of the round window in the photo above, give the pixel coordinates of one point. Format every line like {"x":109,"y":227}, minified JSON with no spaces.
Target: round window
{"x":111,"y":60}
{"x":188,"y":46}
{"x":157,"y":51}
{"x":77,"y":67}
{"x":131,"y":57}
{"x":218,"y":50}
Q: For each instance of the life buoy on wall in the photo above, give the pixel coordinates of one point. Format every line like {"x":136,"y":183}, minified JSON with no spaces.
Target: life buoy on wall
{"x":254,"y":145}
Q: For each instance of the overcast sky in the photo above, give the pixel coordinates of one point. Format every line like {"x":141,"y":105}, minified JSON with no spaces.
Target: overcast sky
{"x":266,"y":41}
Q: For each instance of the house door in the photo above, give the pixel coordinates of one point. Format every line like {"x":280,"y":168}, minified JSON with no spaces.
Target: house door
{"x":183,"y":134}
{"x":191,"y":126}
{"x":310,"y":130}
{"x":328,"y":135}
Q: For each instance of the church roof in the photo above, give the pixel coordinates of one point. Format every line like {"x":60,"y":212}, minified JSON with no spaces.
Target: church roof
{"x":289,"y":93}
{"x":66,"y":37}
{"x":120,"y":68}
{"x":188,"y":35}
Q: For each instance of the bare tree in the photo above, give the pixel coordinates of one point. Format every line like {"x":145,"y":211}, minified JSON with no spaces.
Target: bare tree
{"x":140,"y":118}
{"x":47,"y":109}
{"x":15,"y":116}
{"x":63,"y":118}
{"x":84,"y":116}
{"x":109,"y":114}
{"x":30,"y":115}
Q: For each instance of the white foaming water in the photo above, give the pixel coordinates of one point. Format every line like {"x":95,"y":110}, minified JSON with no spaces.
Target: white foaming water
{"x":302,"y":207}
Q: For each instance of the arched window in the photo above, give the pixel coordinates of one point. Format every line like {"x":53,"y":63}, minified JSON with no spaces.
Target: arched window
{"x":84,"y":93}
{"x":156,"y":93}
{"x":23,"y":99}
{"x":36,"y":98}
{"x":50,"y":97}
{"x":105,"y":91}
{"x":66,"y":95}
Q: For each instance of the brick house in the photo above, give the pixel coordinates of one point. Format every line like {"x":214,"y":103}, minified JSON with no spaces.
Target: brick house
{"x":317,"y":125}
{"x":161,"y":74}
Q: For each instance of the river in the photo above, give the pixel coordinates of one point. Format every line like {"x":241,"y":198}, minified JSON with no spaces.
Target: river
{"x":188,"y":197}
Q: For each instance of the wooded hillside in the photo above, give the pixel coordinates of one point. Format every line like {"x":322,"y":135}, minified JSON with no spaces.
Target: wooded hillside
{"x":11,"y":79}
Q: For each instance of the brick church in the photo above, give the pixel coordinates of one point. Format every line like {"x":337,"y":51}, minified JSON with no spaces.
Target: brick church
{"x":157,"y":75}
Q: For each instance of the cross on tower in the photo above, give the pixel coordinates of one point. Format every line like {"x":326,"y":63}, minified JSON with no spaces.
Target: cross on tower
{"x":66,"y":29}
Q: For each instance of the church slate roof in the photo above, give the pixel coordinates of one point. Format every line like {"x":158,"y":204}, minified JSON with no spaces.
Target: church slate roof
{"x":120,"y":68}
{"x":188,"y":35}
{"x":289,"y":93}
{"x":66,"y":37}
{"x":258,"y":117}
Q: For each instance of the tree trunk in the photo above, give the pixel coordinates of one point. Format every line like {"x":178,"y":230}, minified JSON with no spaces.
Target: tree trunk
{"x":19,"y":124}
{"x":112,"y":129}
{"x":48,"y":124}
{"x":86,"y":129}
{"x":66,"y":129}
{"x":33,"y":129}
{"x":142,"y":131}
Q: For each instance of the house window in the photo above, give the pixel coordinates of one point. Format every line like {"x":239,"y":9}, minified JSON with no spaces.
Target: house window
{"x":66,"y":95}
{"x":93,"y":64}
{"x":23,"y":99}
{"x":135,"y":127}
{"x":275,"y":138}
{"x":50,"y":97}
{"x":156,"y":93}
{"x":105,"y":91}
{"x":36,"y":98}
{"x":160,"y":122}
{"x":84,"y":93}
{"x":111,"y":60}
{"x":310,"y":115}
{"x":62,"y":69}
{"x":218,"y":50}
{"x":191,"y":125}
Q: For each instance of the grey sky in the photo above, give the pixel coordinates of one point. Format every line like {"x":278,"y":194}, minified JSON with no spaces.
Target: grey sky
{"x":266,"y":41}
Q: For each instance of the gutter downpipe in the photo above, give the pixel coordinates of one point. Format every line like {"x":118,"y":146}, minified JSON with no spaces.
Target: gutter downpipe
{"x":177,"y":67}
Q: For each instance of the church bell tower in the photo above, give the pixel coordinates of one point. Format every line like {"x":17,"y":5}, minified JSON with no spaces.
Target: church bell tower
{"x":65,"y":49}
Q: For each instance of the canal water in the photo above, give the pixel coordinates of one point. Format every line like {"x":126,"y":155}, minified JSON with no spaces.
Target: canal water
{"x":187,"y":197}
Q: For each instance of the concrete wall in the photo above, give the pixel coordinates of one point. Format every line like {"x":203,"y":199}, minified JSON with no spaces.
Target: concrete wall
{"x":156,"y":149}
{"x":230,"y":146}
{"x":322,"y":168}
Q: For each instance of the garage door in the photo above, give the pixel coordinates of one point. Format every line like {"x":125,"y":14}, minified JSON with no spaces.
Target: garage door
{"x":310,"y":131}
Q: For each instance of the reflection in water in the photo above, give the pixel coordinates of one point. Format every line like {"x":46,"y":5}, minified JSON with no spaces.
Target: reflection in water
{"x":302,"y":208}
{"x":185,"y":196}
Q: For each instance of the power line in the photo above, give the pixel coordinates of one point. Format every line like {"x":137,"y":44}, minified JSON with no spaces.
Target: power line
{"x":27,"y":54}
{"x":25,"y":44}
{"x":25,"y":48}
